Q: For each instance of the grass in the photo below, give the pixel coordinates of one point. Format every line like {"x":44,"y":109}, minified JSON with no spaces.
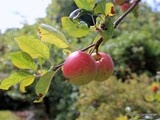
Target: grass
{"x":7,"y":115}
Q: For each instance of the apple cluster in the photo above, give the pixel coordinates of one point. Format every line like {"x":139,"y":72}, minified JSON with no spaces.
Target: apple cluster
{"x":81,"y":68}
{"x":124,"y":4}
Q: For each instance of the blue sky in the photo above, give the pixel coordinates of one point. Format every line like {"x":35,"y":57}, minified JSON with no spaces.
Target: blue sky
{"x":13,"y":13}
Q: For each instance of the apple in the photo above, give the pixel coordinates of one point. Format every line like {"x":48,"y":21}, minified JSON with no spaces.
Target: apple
{"x":105,"y":66}
{"x":124,"y":7}
{"x":80,"y":68}
{"x":119,"y":2}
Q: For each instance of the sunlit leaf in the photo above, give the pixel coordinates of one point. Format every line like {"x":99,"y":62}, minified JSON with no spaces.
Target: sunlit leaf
{"x":109,"y":9}
{"x":53,"y":36}
{"x":75,"y":28}
{"x":14,"y":79}
{"x":34,"y":47}
{"x":23,"y":60}
{"x":43,"y":84}
{"x":85,"y":4}
{"x":25,"y":83}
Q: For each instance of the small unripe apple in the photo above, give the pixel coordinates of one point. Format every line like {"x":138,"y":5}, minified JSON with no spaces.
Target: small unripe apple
{"x":119,"y":2}
{"x":80,"y":68}
{"x":124,"y":7}
{"x":105,"y":66}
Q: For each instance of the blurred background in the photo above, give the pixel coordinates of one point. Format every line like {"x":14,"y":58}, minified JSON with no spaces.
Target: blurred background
{"x":132,"y":93}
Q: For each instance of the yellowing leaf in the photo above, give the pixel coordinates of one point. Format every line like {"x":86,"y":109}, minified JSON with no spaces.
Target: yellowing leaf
{"x":53,"y":36}
{"x":122,"y":118}
{"x":23,"y":60}
{"x":109,"y":9}
{"x":26,"y":83}
{"x":14,"y":79}
{"x":43,"y":84}
{"x":34,"y":47}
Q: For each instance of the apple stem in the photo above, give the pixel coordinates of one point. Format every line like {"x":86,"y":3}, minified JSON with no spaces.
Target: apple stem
{"x":98,"y":44}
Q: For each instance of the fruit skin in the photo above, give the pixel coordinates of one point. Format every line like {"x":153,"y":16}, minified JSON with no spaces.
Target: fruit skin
{"x":105,"y":66}
{"x":124,"y":7}
{"x":80,"y":68}
{"x":119,"y":2}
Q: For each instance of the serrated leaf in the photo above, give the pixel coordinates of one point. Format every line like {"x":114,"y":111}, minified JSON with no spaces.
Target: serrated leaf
{"x":23,"y":60}
{"x":109,"y":30}
{"x":85,"y":4}
{"x":34,"y":47}
{"x":43,"y":84}
{"x":14,"y":79}
{"x":26,"y":83}
{"x":75,"y":28}
{"x":109,"y":9}
{"x":53,"y":36}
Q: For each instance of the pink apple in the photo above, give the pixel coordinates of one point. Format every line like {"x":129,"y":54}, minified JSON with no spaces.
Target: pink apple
{"x":105,"y":66}
{"x":80,"y":68}
{"x":124,"y":7}
{"x":119,"y":2}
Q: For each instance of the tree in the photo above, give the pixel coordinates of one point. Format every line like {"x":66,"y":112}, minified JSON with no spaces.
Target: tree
{"x":35,"y":50}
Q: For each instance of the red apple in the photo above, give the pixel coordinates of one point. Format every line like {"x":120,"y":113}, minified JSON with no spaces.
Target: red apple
{"x":80,"y":68}
{"x":105,"y":66}
{"x":124,"y":7}
{"x":119,"y":2}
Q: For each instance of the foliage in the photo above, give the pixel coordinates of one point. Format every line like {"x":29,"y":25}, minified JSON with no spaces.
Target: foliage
{"x":111,"y":99}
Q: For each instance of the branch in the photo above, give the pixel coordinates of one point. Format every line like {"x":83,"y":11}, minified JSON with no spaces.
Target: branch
{"x":115,"y":25}
{"x":126,"y":13}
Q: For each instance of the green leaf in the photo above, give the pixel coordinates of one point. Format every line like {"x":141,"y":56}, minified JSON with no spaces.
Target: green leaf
{"x":53,"y":36}
{"x":75,"y":28}
{"x":85,"y":4}
{"x":100,"y":7}
{"x":43,"y":84}
{"x":34,"y":47}
{"x":109,"y":30}
{"x":14,"y":79}
{"x":23,"y":60}
{"x":25,"y":83}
